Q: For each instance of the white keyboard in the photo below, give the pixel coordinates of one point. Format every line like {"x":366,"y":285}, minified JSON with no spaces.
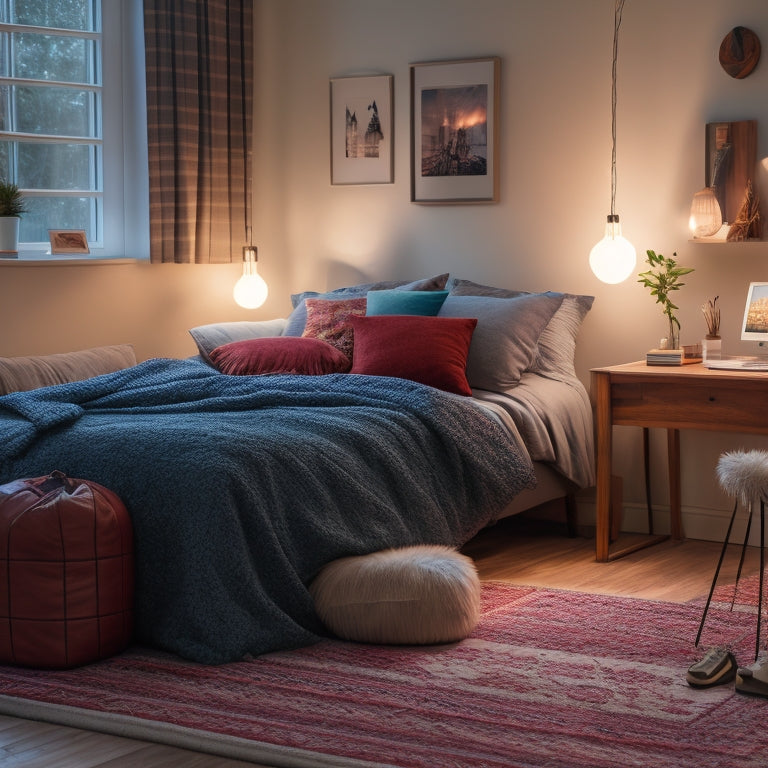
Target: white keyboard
{"x":739,"y":364}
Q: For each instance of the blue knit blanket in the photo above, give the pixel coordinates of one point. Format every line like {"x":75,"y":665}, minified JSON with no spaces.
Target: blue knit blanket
{"x":241,"y":488}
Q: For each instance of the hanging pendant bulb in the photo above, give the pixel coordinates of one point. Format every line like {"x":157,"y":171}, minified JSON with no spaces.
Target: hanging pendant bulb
{"x":706,"y":216}
{"x":613,"y":259}
{"x":250,"y":290}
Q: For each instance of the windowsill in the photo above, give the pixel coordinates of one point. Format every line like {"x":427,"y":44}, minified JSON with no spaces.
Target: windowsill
{"x":42,"y":258}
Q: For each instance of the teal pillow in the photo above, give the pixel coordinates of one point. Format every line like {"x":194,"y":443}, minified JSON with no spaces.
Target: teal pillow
{"x":394,"y":302}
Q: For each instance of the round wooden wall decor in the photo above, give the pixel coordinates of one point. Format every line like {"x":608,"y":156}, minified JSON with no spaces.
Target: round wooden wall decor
{"x":739,"y":52}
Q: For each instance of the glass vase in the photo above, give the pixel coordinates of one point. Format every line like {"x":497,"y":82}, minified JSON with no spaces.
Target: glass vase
{"x":673,"y":336}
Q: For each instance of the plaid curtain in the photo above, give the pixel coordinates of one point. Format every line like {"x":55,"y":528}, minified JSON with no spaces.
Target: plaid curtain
{"x":199,"y":62}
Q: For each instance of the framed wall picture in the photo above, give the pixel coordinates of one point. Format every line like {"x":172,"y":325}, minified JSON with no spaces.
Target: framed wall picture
{"x":68,"y":241}
{"x":455,"y":131}
{"x":361,"y":130}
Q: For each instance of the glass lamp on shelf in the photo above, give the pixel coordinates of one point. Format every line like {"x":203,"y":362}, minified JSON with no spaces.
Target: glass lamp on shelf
{"x":706,"y":216}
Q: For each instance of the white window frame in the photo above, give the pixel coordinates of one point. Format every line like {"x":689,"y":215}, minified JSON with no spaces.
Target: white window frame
{"x":125,"y":184}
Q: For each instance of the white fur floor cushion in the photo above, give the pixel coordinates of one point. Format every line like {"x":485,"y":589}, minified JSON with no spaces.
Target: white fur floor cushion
{"x":410,"y":596}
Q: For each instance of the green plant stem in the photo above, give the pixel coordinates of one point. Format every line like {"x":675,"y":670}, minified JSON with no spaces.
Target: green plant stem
{"x":662,"y":279}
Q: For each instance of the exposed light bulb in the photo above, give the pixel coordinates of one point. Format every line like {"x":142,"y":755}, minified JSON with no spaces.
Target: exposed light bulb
{"x":250,"y":290}
{"x":613,"y":259}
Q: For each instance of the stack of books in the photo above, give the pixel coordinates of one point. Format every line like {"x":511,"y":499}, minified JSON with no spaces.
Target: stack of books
{"x":685,"y":355}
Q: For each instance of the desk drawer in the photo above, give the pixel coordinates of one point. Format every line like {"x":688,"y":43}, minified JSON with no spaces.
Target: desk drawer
{"x":733,"y":406}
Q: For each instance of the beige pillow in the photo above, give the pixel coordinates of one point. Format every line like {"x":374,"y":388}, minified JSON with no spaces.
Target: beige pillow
{"x":19,"y":374}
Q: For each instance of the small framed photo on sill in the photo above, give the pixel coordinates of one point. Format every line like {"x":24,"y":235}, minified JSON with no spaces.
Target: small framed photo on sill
{"x":68,"y":241}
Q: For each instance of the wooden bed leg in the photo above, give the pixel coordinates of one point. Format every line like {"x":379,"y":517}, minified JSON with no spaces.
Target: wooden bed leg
{"x":572,"y":515}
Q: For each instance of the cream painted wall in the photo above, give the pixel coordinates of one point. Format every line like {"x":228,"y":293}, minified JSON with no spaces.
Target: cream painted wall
{"x":555,"y":186}
{"x":57,"y":308}
{"x":555,"y":168}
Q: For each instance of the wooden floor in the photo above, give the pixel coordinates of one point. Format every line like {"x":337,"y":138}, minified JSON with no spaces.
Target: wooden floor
{"x":516,"y":550}
{"x":526,"y":551}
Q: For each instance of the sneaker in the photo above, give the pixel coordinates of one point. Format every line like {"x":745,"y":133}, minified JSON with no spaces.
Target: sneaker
{"x":716,"y":668}
{"x":753,"y":679}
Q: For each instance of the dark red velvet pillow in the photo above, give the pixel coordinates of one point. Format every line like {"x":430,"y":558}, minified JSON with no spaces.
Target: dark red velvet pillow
{"x":430,"y":350}
{"x":279,"y":354}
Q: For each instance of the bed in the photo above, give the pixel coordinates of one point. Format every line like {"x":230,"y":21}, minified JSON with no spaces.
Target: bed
{"x":244,"y":475}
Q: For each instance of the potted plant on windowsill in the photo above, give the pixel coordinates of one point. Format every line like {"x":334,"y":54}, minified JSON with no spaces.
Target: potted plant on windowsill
{"x":11,"y":209}
{"x":662,"y":279}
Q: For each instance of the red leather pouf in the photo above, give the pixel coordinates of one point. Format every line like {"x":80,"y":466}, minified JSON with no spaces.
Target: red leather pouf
{"x":66,"y":572}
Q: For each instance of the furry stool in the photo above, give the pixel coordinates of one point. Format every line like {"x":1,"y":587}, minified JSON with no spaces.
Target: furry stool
{"x":744,"y":475}
{"x":410,"y":596}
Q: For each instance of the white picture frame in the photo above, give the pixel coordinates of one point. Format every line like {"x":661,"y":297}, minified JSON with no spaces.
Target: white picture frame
{"x":362,"y":145}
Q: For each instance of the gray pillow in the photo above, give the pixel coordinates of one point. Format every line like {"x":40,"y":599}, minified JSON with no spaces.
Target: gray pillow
{"x":504,"y":342}
{"x":208,"y":337}
{"x":459,"y":287}
{"x":556,"y":348}
{"x":298,"y":318}
{"x":20,"y":374}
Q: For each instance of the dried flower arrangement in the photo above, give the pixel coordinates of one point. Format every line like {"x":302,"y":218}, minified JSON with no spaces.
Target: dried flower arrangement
{"x":748,"y":224}
{"x":712,"y":318}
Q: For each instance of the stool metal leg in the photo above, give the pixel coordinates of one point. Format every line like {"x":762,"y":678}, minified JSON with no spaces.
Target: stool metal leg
{"x":741,"y":557}
{"x":717,"y":571}
{"x":762,"y":569}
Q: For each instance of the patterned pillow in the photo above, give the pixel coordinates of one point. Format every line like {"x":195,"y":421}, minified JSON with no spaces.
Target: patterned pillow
{"x":329,"y":320}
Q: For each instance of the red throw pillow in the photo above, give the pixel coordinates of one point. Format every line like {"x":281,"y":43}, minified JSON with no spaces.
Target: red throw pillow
{"x":430,"y":350}
{"x":279,"y":354}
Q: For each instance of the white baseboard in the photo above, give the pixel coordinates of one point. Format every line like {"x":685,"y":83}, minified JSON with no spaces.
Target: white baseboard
{"x":698,"y":523}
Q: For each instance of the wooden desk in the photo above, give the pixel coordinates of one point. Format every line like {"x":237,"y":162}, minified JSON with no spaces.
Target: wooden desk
{"x":674,"y":398}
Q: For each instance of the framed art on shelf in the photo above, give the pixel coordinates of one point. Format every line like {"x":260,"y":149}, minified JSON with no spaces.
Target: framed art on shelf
{"x":361,"y":130}
{"x":68,"y":241}
{"x":454,"y":131}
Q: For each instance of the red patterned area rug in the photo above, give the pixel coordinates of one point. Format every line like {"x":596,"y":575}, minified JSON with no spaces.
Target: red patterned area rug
{"x":739,"y":597}
{"x":549,"y":678}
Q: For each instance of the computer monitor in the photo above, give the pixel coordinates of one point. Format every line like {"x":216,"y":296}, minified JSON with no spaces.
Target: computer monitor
{"x":755,"y":325}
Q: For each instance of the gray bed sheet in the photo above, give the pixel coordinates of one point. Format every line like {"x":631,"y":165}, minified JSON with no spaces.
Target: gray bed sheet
{"x":554,"y":421}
